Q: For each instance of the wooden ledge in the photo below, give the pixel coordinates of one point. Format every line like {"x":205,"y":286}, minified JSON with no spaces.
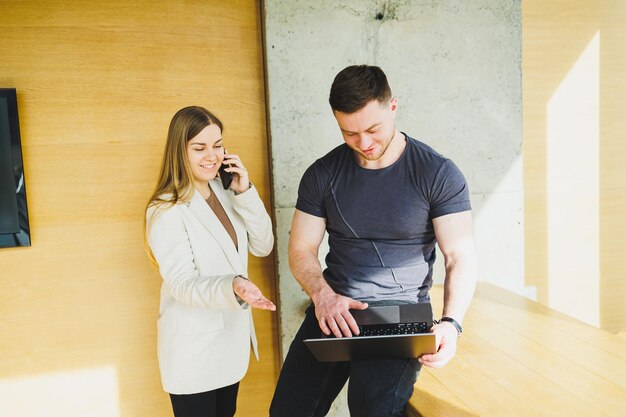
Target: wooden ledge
{"x":520,"y":358}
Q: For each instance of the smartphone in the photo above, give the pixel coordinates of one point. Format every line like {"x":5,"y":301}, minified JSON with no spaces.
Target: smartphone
{"x":226,"y":177}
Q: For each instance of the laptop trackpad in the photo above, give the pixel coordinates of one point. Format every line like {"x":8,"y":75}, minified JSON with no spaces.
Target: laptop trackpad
{"x":377,"y":315}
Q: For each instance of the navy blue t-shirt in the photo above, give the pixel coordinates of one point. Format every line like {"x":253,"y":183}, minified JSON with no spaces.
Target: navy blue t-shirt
{"x":379,"y":221}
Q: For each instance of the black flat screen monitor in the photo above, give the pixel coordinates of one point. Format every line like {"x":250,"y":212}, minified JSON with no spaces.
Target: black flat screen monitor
{"x":14,"y":227}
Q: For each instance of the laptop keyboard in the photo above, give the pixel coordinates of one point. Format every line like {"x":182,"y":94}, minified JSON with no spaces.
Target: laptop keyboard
{"x":394,"y":328}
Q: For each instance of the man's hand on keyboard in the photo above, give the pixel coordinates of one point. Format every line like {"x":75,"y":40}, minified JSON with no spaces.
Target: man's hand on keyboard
{"x":447,"y":337}
{"x":333,"y":315}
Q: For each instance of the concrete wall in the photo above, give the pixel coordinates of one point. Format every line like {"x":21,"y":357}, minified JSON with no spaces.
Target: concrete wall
{"x":454,"y":67}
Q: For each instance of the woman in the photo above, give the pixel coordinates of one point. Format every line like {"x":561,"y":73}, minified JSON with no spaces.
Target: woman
{"x":199,"y":234}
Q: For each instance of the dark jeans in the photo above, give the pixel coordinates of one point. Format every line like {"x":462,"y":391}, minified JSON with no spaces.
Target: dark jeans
{"x":307,"y":388}
{"x":221,"y":402}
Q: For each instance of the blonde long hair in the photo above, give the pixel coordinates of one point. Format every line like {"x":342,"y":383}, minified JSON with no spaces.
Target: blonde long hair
{"x":175,"y":182}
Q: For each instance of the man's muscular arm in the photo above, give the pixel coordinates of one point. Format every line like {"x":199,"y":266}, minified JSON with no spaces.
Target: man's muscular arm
{"x":455,"y":238}
{"x":331,"y":309}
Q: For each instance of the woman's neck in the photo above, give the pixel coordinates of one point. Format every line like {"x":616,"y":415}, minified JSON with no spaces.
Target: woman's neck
{"x":203,"y":188}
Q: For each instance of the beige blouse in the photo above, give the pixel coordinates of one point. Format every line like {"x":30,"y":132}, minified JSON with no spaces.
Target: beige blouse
{"x":217,"y":208}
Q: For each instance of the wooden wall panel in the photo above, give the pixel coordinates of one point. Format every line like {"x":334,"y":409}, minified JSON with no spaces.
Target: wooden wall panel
{"x":98,"y":83}
{"x":554,"y":35}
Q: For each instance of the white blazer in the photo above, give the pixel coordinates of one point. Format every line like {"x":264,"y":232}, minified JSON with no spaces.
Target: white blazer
{"x":204,"y":334}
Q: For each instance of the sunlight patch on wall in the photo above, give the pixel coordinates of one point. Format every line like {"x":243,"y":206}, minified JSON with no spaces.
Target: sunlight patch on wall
{"x":492,"y":229}
{"x":79,"y":393}
{"x":573,"y":141}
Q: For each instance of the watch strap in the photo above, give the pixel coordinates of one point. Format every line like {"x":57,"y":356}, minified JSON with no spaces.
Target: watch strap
{"x":455,"y":323}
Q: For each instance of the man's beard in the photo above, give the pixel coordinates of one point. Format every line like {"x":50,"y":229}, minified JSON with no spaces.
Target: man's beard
{"x":381,"y":153}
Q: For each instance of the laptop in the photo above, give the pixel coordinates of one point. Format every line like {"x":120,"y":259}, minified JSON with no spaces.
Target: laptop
{"x":387,"y":332}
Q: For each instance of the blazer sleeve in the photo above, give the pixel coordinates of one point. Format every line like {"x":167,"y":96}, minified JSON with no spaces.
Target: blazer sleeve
{"x":258,"y":223}
{"x":167,"y":237}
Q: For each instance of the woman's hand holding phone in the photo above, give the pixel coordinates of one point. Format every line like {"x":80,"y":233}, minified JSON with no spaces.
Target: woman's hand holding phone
{"x":240,"y":181}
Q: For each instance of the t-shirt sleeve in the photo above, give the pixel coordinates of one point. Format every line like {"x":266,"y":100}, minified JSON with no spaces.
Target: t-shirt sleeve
{"x":311,"y":191}
{"x":449,"y":192}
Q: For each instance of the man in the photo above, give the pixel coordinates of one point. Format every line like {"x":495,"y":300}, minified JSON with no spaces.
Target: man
{"x":385,"y":200}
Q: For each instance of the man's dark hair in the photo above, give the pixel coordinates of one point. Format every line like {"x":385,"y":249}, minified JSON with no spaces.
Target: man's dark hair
{"x":357,"y":85}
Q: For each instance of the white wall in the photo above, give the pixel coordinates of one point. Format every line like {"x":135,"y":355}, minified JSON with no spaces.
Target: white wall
{"x":454,"y":67}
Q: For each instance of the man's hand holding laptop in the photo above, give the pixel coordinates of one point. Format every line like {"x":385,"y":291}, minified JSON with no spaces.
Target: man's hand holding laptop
{"x":447,"y":337}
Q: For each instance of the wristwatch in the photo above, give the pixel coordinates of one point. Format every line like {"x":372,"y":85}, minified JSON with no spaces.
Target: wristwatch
{"x":455,"y":323}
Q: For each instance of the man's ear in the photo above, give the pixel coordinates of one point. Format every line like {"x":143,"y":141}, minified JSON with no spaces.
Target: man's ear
{"x":394,"y":104}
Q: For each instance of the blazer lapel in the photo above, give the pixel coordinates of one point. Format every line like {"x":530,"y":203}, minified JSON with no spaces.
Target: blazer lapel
{"x":200,"y":208}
